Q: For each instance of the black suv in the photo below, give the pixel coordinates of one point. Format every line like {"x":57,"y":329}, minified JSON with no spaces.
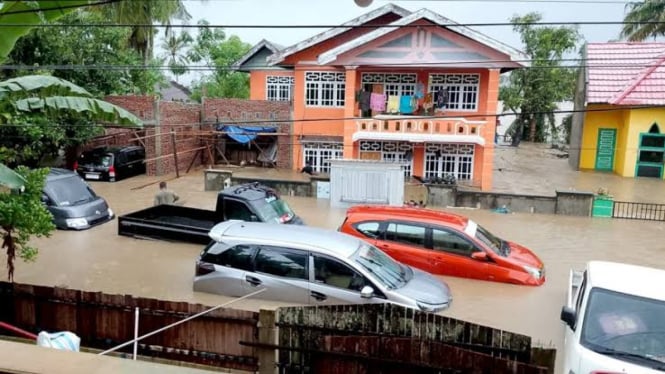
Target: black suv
{"x":111,"y":164}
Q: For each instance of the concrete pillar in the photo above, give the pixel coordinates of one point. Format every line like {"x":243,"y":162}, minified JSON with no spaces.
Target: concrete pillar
{"x":350,"y":110}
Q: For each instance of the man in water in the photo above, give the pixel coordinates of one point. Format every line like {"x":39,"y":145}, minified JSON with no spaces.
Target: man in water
{"x":165,"y":196}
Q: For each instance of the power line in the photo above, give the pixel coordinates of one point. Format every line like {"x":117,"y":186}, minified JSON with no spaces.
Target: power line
{"x":626,"y":62}
{"x":61,"y":7}
{"x":404,"y":118}
{"x":365,"y":26}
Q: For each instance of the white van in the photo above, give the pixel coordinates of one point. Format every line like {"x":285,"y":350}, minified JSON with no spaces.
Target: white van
{"x":615,"y":320}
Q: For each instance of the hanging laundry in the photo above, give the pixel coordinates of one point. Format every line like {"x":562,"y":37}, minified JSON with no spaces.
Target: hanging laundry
{"x":377,"y":102}
{"x":428,"y":103}
{"x":442,"y":98}
{"x":393,"y":104}
{"x":420,"y":91}
{"x":405,"y":104}
{"x":364,"y":100}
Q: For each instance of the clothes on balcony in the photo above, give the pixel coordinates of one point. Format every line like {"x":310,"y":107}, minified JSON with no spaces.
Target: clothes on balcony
{"x":441,"y":98}
{"x":393,"y":104}
{"x":420,"y":91}
{"x":377,"y":102}
{"x":364,"y":100}
{"x":406,"y":104}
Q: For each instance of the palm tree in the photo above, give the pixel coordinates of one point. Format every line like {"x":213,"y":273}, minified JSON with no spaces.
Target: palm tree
{"x":145,"y":12}
{"x":176,"y":47}
{"x":645,"y":19}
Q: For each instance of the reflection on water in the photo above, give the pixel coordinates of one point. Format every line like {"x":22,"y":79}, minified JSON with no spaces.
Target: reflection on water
{"x":100,"y":260}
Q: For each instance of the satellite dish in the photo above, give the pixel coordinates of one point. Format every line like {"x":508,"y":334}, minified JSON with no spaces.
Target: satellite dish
{"x":363,"y":3}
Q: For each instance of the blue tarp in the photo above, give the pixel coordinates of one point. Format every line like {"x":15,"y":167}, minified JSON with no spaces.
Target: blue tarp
{"x":244,"y":134}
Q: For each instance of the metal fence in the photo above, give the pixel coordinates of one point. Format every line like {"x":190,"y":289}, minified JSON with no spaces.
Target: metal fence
{"x":643,"y":211}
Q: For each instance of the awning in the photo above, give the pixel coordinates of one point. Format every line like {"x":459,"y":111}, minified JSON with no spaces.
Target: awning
{"x":245,"y":134}
{"x":418,"y":137}
{"x":10,"y":180}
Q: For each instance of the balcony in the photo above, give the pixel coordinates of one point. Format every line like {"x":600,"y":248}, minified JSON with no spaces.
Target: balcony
{"x":420,"y":129}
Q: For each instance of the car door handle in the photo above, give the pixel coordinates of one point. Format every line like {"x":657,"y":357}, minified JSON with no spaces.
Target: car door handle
{"x":318,"y":296}
{"x":253,"y":281}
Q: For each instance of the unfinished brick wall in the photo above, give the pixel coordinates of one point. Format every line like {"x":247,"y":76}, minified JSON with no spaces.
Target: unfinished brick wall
{"x":189,"y":119}
{"x":256,"y":113}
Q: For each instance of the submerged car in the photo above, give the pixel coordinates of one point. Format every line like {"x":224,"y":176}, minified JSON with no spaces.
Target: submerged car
{"x":308,"y":265}
{"x":443,"y":243}
{"x":71,"y":201}
{"x":111,"y":163}
{"x":614,"y":320}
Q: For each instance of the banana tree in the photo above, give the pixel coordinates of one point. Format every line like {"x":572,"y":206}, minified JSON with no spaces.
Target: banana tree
{"x":39,"y":115}
{"x":17,"y":18}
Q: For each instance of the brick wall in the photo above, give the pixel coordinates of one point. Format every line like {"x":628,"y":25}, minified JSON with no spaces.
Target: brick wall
{"x":188,"y":119}
{"x":254,"y":112}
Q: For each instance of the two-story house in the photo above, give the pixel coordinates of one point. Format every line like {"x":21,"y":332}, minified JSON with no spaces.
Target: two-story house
{"x":392,"y":85}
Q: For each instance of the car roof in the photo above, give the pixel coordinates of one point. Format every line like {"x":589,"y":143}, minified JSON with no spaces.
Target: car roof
{"x":627,"y":278}
{"x":112,"y":149}
{"x":249,"y":191}
{"x":415,"y":214}
{"x":319,"y":240}
{"x":59,"y":173}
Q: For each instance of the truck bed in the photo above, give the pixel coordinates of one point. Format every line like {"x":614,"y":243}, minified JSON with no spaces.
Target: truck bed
{"x":169,"y":222}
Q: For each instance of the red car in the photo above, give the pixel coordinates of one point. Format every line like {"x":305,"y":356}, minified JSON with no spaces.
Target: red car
{"x":443,"y":243}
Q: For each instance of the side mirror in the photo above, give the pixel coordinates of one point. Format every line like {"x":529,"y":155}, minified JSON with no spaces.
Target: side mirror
{"x":253,"y":218}
{"x":479,"y":256}
{"x":568,"y":315}
{"x":367,"y":292}
{"x":45,"y":200}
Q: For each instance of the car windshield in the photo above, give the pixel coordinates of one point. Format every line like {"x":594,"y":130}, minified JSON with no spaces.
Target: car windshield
{"x":387,"y":271}
{"x":274,"y":209}
{"x":96,"y":158}
{"x":69,"y":191}
{"x":487,"y":238}
{"x":625,"y":327}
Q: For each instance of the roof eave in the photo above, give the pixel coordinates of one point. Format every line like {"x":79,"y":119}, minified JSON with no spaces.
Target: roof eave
{"x":318,"y":38}
{"x":514,"y":54}
{"x":260,"y":45}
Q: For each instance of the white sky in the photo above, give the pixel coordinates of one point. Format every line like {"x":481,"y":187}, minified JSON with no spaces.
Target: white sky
{"x":335,"y":12}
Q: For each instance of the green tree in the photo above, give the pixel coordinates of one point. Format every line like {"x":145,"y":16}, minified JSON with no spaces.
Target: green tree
{"x":645,"y":19}
{"x":212,"y":48}
{"x":532,"y":93}
{"x":40,"y":115}
{"x":22,"y":216}
{"x":105,"y":49}
{"x":176,"y":52}
{"x":28,"y":14}
{"x":145,"y":12}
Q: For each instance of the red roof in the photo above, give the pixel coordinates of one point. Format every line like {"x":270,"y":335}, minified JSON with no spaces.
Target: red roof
{"x":626,"y":73}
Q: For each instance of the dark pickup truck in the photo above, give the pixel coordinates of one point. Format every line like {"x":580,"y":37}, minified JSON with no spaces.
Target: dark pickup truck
{"x":247,"y":202}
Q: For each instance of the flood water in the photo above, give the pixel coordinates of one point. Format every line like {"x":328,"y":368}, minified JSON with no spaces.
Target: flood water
{"x":100,"y":260}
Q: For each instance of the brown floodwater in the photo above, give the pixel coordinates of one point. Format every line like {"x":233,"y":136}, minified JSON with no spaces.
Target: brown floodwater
{"x":100,"y":260}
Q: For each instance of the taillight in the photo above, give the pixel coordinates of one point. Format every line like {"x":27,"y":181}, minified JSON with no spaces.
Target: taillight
{"x":203,"y":268}
{"x":112,"y":171}
{"x":76,"y":165}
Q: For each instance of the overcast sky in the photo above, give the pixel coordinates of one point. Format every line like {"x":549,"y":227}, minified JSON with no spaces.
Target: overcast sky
{"x":335,"y":12}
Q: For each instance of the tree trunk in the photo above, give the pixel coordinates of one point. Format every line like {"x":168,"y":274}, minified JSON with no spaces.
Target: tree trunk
{"x":71,"y":155}
{"x":532,"y":129}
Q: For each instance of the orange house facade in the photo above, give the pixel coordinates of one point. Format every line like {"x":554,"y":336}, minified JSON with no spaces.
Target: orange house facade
{"x":391,"y":85}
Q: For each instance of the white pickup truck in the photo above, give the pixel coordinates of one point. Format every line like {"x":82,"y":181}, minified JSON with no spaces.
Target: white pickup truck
{"x":615,"y":320}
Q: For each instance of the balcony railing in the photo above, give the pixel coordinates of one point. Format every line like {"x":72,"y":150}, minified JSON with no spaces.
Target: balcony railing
{"x":425,"y":125}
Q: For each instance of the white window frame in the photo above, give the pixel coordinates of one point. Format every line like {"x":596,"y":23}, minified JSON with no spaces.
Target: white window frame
{"x":391,"y":152}
{"x":279,"y":87}
{"x":463,"y":90}
{"x":325,"y":89}
{"x":320,"y":154}
{"x":455,"y":159}
{"x":394,"y":84}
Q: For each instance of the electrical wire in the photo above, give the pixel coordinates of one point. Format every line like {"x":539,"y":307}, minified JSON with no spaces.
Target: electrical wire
{"x":61,"y":7}
{"x":405,"y":118}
